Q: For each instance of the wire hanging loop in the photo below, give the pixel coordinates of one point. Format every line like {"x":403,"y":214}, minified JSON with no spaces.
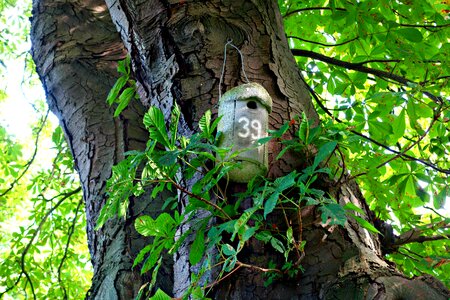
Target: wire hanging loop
{"x":230,"y":43}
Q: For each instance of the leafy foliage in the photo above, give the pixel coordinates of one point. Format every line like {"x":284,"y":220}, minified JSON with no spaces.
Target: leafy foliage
{"x":124,"y":89}
{"x":167,"y":162}
{"x":379,"y":71}
{"x":44,"y":250}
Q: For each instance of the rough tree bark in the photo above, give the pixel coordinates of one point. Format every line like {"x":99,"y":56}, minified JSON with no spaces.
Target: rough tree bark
{"x":176,"y":49}
{"x":76,"y":47}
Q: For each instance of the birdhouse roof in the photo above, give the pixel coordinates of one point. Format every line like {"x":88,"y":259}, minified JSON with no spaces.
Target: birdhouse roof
{"x":247,"y":91}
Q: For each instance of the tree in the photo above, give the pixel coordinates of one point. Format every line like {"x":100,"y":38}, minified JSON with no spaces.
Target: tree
{"x":176,"y":50}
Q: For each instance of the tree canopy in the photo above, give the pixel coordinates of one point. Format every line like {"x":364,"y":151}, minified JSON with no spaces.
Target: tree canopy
{"x":378,"y":72}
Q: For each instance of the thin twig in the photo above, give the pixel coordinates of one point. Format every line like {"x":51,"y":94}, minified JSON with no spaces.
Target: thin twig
{"x":430,"y":208}
{"x":212,"y":284}
{"x":404,"y":150}
{"x":33,"y":156}
{"x":30,"y":243}
{"x":321,"y":44}
{"x":415,"y":235}
{"x":311,"y":9}
{"x":265,"y":270}
{"x":425,"y":26}
{"x":421,"y":161}
{"x":182,"y":189}
{"x":63,"y":259}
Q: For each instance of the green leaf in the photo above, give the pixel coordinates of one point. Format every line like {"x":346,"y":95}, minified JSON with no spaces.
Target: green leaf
{"x":280,"y":185}
{"x":228,"y":250}
{"x":277,"y":245}
{"x":411,"y":34}
{"x":385,"y":102}
{"x":283,"y":183}
{"x":160,"y":295}
{"x":279,"y":133}
{"x":197,"y":248}
{"x":333,"y":212}
{"x":123,"y":66}
{"x":313,"y":133}
{"x":57,"y":136}
{"x":162,"y":226}
{"x":270,"y":204}
{"x":229,"y":263}
{"x":140,"y":257}
{"x":380,"y":130}
{"x":243,"y":219}
{"x":248,"y":233}
{"x":117,"y":87}
{"x":303,"y":132}
{"x":145,"y":225}
{"x":410,"y":187}
{"x":264,"y":140}
{"x":169,"y":159}
{"x":290,"y":235}
{"x":399,"y":126}
{"x":366,"y":224}
{"x":124,"y":100}
{"x":353,"y":207}
{"x":439,"y":199}
{"x":324,"y":152}
{"x":154,"y":256}
{"x":174,"y":121}
{"x":155,"y":124}
{"x":205,"y":122}
{"x":263,"y":236}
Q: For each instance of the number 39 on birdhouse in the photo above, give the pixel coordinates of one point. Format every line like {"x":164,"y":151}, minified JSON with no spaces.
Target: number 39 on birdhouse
{"x":245,"y":114}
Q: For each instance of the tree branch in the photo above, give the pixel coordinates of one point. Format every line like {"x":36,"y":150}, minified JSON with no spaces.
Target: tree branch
{"x":322,"y":44}
{"x":361,"y":68}
{"x":310,"y":9}
{"x":399,"y":153}
{"x":415,"y":235}
{"x":425,"y":26}
{"x":421,"y":239}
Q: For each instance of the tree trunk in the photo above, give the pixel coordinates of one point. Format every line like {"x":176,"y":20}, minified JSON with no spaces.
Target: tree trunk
{"x":176,"y":48}
{"x":75,"y":48}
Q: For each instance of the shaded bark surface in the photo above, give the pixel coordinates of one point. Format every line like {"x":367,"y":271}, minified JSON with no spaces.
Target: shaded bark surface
{"x":177,"y":55}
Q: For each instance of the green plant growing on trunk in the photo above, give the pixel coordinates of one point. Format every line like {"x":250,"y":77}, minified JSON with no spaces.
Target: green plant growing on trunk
{"x":227,"y":226}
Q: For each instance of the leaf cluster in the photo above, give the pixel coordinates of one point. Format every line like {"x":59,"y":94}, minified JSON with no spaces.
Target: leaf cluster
{"x":43,"y":238}
{"x":124,"y":89}
{"x":218,"y":226}
{"x":379,"y":71}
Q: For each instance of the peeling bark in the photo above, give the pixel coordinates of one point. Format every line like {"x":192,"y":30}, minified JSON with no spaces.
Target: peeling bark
{"x":176,"y":49}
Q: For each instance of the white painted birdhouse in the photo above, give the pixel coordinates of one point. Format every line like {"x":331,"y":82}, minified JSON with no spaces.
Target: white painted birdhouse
{"x":245,"y":116}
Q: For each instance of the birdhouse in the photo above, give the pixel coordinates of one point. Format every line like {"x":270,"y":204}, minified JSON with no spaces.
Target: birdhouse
{"x":245,"y":116}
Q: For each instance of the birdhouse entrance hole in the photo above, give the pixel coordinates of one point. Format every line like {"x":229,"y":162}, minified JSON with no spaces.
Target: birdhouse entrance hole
{"x":252,"y":105}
